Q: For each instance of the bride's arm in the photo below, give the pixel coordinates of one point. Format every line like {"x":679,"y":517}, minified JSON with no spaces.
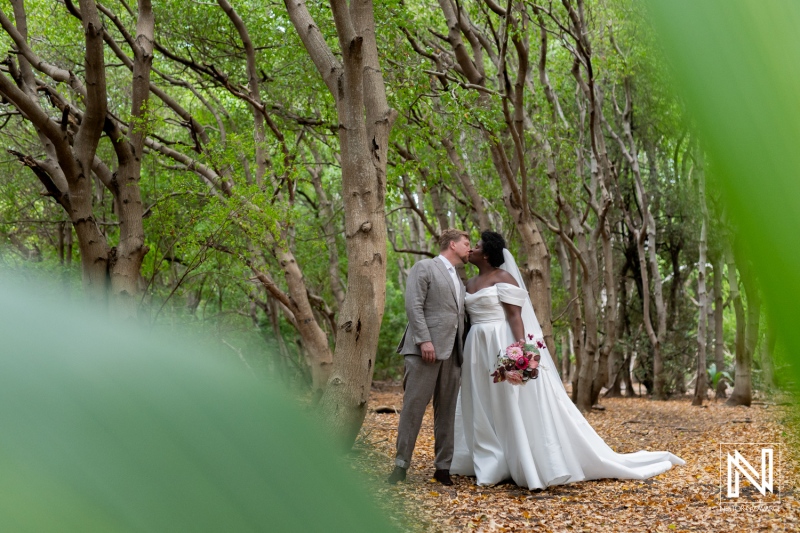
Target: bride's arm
{"x":514,"y":317}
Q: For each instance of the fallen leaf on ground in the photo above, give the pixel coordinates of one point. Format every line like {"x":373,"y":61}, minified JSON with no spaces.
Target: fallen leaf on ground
{"x":686,"y":498}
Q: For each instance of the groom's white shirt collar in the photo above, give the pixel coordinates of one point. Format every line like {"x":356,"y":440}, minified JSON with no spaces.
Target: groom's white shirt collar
{"x":452,"y":270}
{"x":446,"y":262}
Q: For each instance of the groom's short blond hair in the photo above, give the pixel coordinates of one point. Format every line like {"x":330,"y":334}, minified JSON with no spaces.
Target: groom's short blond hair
{"x":451,"y":235}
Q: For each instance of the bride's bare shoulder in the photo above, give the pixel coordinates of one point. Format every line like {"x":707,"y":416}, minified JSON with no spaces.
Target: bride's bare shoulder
{"x":501,"y":276}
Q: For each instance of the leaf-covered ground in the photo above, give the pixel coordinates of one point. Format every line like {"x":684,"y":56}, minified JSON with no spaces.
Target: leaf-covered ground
{"x":686,"y":498}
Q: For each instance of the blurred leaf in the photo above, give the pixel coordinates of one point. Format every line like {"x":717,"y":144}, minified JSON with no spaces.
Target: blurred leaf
{"x":111,"y":429}
{"x":737,"y":65}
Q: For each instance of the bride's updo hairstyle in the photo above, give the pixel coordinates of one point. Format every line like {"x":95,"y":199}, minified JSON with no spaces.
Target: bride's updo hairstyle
{"x":493,"y":244}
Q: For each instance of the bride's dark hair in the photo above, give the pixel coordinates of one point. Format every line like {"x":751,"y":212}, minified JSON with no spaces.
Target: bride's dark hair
{"x":493,"y":244}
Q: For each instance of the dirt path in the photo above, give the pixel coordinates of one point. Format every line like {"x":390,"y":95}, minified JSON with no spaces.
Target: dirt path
{"x":686,"y":498}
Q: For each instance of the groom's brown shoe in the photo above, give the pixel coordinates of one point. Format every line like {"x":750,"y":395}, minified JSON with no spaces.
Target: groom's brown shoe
{"x":443,"y":477}
{"x":398,"y":474}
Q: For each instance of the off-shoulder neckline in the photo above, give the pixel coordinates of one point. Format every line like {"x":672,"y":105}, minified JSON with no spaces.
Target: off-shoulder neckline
{"x":493,"y":286}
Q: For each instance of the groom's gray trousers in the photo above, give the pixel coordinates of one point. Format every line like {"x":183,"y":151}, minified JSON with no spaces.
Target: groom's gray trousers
{"x":422,"y":381}
{"x":435,"y":310}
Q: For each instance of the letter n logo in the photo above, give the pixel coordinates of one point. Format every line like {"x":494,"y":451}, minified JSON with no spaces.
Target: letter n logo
{"x":738,"y":466}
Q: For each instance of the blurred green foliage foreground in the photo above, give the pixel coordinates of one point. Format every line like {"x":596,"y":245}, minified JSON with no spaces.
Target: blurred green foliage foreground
{"x":110,"y":429}
{"x":737,"y":63}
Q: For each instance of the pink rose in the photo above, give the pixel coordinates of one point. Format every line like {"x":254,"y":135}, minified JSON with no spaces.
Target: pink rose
{"x":514,"y":352}
{"x":533,"y":364}
{"x":514,"y":377}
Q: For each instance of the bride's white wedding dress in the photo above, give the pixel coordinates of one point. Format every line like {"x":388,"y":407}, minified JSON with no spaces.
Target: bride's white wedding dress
{"x":532,"y":434}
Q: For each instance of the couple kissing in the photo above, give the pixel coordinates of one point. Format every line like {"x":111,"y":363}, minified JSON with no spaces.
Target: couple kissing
{"x":531,"y":434}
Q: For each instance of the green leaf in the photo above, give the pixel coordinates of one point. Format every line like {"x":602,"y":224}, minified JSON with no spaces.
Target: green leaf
{"x":108,"y":428}
{"x":737,"y":65}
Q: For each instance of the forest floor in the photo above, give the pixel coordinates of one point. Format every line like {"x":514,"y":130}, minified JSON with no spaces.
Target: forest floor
{"x":686,"y":498}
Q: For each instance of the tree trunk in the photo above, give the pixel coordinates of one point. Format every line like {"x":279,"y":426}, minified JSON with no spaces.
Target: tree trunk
{"x":365,"y":120}
{"x":537,"y":268}
{"x":626,"y":375}
{"x":577,"y":329}
{"x":619,"y":367}
{"x":659,"y":376}
{"x":655,"y":342}
{"x":701,"y":383}
{"x":767,"y":351}
{"x":126,"y":259}
{"x":615,"y":375}
{"x":68,"y":245}
{"x":742,"y":388}
{"x":610,"y":313}
{"x":439,"y":209}
{"x":584,"y":396}
{"x":320,"y":357}
{"x":259,"y":134}
{"x":466,"y":181}
{"x":566,"y":262}
{"x":61,"y":226}
{"x":719,"y":333}
{"x":329,"y":230}
{"x":673,"y":320}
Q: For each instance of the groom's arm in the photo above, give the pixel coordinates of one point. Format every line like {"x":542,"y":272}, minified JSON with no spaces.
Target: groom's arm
{"x":416,"y":293}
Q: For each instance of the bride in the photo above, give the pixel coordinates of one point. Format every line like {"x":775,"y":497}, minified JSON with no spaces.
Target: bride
{"x":531,"y":433}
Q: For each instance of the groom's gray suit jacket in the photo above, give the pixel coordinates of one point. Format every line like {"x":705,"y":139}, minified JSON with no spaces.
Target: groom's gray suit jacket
{"x":435,"y":311}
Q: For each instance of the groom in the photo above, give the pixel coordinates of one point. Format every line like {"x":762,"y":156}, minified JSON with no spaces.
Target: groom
{"x":432,"y":346}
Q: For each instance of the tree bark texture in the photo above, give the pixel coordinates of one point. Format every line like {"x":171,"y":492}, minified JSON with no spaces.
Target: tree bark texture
{"x":701,"y":384}
{"x":365,"y":120}
{"x":719,"y":333}
{"x":742,"y":388}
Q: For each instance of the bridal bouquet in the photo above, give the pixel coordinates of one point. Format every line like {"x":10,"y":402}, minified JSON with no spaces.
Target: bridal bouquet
{"x":519,"y":362}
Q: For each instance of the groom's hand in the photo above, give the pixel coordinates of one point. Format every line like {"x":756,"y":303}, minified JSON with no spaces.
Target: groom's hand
{"x":428,"y":353}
